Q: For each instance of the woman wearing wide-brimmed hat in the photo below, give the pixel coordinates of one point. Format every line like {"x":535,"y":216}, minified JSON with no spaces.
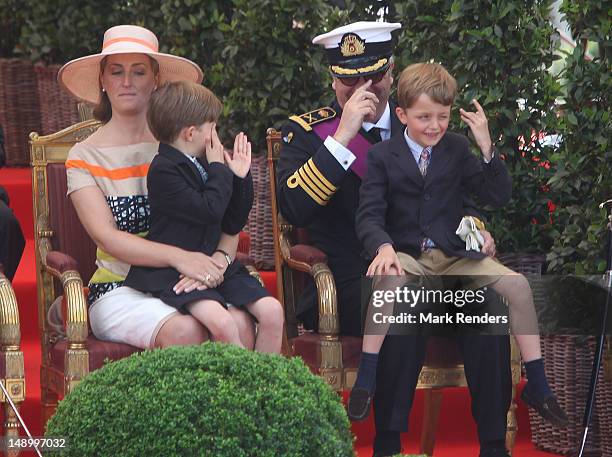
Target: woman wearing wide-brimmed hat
{"x":107,"y":185}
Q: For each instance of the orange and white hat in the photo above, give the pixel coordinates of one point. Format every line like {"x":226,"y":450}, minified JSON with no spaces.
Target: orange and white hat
{"x":81,"y":77}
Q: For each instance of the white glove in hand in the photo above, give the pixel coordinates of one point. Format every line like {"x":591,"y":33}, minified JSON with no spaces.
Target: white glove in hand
{"x":469,"y":233}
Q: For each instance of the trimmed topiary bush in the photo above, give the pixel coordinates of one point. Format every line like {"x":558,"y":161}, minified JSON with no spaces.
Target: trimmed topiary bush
{"x":209,"y":400}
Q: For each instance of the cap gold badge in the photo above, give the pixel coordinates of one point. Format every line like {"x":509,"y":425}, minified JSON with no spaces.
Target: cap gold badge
{"x":352,"y":45}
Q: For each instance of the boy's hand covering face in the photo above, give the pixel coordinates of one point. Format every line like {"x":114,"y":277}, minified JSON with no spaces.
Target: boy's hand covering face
{"x":240,"y":159}
{"x":214,"y":148}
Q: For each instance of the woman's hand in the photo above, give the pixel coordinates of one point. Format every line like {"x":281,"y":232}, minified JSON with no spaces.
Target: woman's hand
{"x":186,"y":285}
{"x":200,"y":267}
{"x":220,"y":258}
{"x":240,"y":160}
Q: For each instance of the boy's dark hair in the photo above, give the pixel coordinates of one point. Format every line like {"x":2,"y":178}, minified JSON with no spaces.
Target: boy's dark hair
{"x":431,"y":79}
{"x":180,"y":104}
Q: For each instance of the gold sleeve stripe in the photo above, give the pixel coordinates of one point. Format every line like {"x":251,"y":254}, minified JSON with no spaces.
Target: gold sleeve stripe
{"x":320,"y":176}
{"x":302,"y":122}
{"x":313,"y":187}
{"x":295,"y":180}
{"x":315,"y":180}
{"x":479,"y":224}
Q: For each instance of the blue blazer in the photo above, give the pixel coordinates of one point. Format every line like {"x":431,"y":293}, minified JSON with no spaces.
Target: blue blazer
{"x":188,"y":213}
{"x":399,"y":206}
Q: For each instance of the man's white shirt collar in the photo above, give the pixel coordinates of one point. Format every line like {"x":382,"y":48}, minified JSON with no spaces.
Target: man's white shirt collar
{"x":384,"y":123}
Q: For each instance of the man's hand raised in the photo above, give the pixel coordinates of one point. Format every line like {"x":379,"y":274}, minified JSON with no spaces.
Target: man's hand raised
{"x":361,"y":104}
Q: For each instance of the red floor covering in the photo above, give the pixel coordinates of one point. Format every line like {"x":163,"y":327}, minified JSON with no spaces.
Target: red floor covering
{"x":456,"y":436}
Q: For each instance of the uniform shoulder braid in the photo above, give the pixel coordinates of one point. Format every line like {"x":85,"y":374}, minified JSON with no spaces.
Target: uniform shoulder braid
{"x":307,"y":120}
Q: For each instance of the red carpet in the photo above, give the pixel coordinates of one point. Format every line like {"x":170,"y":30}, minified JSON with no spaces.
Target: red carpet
{"x":456,"y":435}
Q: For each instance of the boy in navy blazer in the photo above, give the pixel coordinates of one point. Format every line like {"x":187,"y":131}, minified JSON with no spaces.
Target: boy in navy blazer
{"x":200,"y":197}
{"x":410,"y":208}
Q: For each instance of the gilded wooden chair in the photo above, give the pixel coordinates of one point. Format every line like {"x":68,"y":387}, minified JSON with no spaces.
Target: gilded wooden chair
{"x":336,"y":357}
{"x":65,"y":260}
{"x":11,"y":358}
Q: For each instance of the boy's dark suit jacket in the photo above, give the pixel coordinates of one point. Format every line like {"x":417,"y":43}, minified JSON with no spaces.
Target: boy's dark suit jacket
{"x":399,"y":206}
{"x":189,"y":214}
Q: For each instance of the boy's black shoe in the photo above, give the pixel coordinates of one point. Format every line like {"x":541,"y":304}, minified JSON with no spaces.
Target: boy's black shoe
{"x":359,"y":404}
{"x":495,"y":452}
{"x":547,"y":407}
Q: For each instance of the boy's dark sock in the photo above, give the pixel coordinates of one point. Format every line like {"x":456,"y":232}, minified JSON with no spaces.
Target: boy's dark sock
{"x":537,"y":385}
{"x":366,"y":375}
{"x":387,"y":442}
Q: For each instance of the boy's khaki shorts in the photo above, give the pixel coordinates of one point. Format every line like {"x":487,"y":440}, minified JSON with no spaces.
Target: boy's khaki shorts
{"x":434,"y":262}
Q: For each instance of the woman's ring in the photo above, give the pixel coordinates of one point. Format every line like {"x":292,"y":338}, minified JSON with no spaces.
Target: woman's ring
{"x":207,"y":277}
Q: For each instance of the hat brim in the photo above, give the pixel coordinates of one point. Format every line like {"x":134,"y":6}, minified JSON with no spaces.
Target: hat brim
{"x":81,"y":77}
{"x":352,"y":69}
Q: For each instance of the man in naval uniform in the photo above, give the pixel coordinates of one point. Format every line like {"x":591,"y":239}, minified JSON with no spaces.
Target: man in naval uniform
{"x":321,"y":165}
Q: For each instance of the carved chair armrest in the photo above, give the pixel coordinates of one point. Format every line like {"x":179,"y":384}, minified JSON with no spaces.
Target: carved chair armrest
{"x":10,"y":332}
{"x":313,"y":261}
{"x":64,"y":268}
{"x":303,"y":257}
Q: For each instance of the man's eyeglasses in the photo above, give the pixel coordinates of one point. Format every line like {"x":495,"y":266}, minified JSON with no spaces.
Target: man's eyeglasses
{"x":374,"y":77}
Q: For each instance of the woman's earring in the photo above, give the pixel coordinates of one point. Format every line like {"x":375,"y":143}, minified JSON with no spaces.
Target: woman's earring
{"x":103,"y":89}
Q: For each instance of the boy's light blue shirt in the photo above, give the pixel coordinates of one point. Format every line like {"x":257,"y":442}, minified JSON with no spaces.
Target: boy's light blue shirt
{"x":414,"y":147}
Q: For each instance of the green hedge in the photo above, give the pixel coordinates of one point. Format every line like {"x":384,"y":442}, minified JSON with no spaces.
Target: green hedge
{"x":11,"y":24}
{"x":212,"y":399}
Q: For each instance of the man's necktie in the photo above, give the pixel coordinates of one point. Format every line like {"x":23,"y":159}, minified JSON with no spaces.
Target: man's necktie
{"x":375,"y":134}
{"x":424,"y":160}
{"x":201,"y":169}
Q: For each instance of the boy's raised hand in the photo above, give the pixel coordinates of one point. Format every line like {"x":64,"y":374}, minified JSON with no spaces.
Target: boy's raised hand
{"x":240,"y":160}
{"x":214,"y":149}
{"x":477,"y":121}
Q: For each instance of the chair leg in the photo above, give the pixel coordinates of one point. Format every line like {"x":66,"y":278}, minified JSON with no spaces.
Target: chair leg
{"x":11,"y":425}
{"x":515,"y":366}
{"x":431,"y":414}
{"x":512,"y":424}
{"x":48,"y":398}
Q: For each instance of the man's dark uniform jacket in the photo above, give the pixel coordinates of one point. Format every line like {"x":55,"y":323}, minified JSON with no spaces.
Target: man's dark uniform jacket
{"x":330,"y":220}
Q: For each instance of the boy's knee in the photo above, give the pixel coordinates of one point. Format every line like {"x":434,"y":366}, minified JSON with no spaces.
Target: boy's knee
{"x":224,"y":328}
{"x":273,"y":314}
{"x":521,"y":282}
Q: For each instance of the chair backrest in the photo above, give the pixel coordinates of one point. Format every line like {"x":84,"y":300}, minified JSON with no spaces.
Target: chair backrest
{"x":56,"y":225}
{"x":289,"y":283}
{"x":273,"y":139}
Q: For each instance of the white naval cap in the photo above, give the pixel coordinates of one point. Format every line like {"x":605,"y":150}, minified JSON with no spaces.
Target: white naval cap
{"x":358,"y":49}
